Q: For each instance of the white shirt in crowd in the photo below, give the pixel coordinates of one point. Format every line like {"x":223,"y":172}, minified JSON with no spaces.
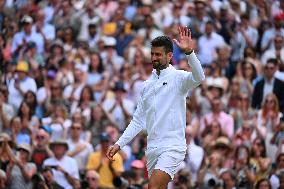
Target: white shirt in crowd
{"x":82,"y":157}
{"x":207,"y":47}
{"x":68,"y":164}
{"x":15,"y":98}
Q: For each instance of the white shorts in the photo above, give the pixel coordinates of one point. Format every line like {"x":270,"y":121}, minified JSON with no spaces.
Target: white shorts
{"x":164,"y":159}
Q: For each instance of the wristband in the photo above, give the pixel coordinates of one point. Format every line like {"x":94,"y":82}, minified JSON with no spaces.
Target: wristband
{"x":189,"y":52}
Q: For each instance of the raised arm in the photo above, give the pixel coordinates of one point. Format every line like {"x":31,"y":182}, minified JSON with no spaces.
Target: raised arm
{"x":185,"y":43}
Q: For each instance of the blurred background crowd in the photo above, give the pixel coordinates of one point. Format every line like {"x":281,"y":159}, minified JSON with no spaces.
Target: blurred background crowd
{"x":72,"y":71}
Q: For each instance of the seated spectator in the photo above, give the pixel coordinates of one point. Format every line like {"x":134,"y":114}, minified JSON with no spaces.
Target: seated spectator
{"x":106,"y":168}
{"x":65,"y":169}
{"x":138,"y":168}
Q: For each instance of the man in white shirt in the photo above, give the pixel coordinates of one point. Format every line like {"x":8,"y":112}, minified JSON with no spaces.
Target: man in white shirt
{"x":208,"y":43}
{"x":20,"y":84}
{"x":161,"y":110}
{"x":78,"y":148}
{"x":65,"y":169}
{"x":21,"y":38}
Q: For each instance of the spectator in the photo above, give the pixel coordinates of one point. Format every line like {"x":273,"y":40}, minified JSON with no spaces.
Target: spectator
{"x":226,"y":120}
{"x":212,"y":40}
{"x":21,"y":38}
{"x":268,"y":85}
{"x":229,"y":178}
{"x":119,"y":107}
{"x":3,"y":179}
{"x":20,"y":171}
{"x":107,"y":169}
{"x":66,"y":172}
{"x":20,"y":84}
{"x":263,"y":184}
{"x":92,"y":178}
{"x":6,"y":112}
{"x":41,"y":150}
{"x":78,"y":149}
{"x":48,"y":176}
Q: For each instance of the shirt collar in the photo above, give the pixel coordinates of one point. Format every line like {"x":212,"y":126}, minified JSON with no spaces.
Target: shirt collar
{"x":163,"y":72}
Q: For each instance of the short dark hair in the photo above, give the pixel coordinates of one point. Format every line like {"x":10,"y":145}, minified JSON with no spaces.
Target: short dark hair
{"x":272,"y":61}
{"x":163,"y":41}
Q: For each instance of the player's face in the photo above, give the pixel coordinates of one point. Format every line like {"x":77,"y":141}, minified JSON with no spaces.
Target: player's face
{"x":160,"y":59}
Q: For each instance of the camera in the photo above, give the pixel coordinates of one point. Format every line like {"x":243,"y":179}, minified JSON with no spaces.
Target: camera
{"x":38,"y":180}
{"x":120,"y":182}
{"x":242,"y":182}
{"x":214,"y":182}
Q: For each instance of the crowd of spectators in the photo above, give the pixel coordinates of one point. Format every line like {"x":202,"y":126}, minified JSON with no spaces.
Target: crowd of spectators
{"x":71,"y":74}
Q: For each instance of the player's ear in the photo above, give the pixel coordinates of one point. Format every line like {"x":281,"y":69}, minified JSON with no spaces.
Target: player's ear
{"x":169,"y":56}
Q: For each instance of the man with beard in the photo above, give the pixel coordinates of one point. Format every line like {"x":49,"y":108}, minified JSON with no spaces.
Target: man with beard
{"x":161,"y":110}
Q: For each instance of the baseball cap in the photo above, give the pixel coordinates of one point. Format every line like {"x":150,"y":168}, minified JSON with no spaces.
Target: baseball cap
{"x":22,"y":66}
{"x":27,"y":19}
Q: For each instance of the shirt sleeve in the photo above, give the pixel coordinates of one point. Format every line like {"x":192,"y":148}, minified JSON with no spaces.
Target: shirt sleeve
{"x":92,"y":162}
{"x":192,"y":79}
{"x":136,"y":125}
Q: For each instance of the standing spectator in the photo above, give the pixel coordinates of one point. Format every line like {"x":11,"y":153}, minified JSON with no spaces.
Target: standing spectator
{"x":20,"y":84}
{"x":20,"y":171}
{"x":66,"y":172}
{"x":268,"y":85}
{"x":106,"y":168}
{"x":78,"y":149}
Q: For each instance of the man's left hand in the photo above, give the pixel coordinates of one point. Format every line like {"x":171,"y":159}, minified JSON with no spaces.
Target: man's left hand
{"x":185,"y":42}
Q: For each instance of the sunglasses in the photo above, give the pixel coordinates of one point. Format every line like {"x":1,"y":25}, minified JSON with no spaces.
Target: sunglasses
{"x":40,"y":137}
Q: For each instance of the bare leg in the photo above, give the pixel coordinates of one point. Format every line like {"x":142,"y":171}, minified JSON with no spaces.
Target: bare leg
{"x":159,"y":180}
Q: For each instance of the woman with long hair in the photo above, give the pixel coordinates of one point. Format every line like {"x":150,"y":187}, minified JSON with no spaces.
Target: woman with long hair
{"x":259,"y":158}
{"x":97,"y":78}
{"x":268,"y":117}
